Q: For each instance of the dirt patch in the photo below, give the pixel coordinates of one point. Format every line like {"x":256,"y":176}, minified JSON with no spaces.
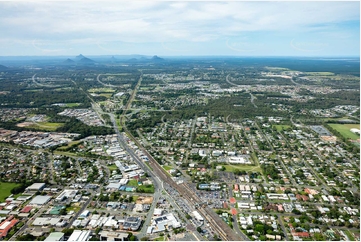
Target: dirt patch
{"x":329,"y":138}
{"x":24,"y":124}
{"x":144,"y":200}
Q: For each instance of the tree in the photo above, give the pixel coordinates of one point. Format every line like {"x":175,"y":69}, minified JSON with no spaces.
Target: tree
{"x":67,"y":232}
{"x":259,"y":228}
{"x":131,"y":237}
{"x":27,"y":237}
{"x":199,"y":229}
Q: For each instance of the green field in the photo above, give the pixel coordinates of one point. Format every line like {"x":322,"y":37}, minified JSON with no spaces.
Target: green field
{"x":112,"y":167}
{"x":132,"y":183}
{"x":71,"y":105}
{"x":232,"y":168}
{"x":167,"y":168}
{"x":63,"y":148}
{"x":349,"y":235}
{"x":280,"y":127}
{"x":107,"y":95}
{"x":344,"y":130}
{"x":101,"y":90}
{"x":5,"y":189}
{"x":146,"y":188}
{"x":161,"y":238}
{"x":46,"y":126}
{"x":73,"y":208}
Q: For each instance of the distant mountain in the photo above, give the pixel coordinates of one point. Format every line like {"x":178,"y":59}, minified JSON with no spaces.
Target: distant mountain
{"x":113,"y":59}
{"x":86,"y":60}
{"x":79,"y":57}
{"x":156,"y":58}
{"x":3,"y":68}
{"x":69,"y":61}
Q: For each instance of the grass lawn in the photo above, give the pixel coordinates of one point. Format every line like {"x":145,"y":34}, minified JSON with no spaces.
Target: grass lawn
{"x":349,"y":235}
{"x":147,"y":188}
{"x":70,"y":105}
{"x":46,"y":126}
{"x":148,"y":165}
{"x":5,"y":188}
{"x":102,"y":89}
{"x":280,"y":127}
{"x":65,"y":153}
{"x":112,"y":167}
{"x":132,"y":183}
{"x":73,"y":208}
{"x":167,"y":168}
{"x":161,"y":238}
{"x":344,"y":130}
{"x":69,"y":144}
{"x":107,"y":95}
{"x":247,"y":168}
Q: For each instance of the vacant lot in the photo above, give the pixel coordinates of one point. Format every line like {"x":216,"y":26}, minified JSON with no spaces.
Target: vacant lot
{"x":247,"y":168}
{"x":5,"y":189}
{"x":46,"y":126}
{"x":344,"y":130}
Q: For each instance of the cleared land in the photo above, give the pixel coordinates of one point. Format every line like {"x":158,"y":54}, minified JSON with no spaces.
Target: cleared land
{"x":5,"y":189}
{"x":46,"y":126}
{"x":344,"y":130}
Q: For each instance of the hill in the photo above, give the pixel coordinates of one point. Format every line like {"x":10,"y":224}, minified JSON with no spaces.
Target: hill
{"x":86,"y":60}
{"x":69,"y":61}
{"x":156,"y":58}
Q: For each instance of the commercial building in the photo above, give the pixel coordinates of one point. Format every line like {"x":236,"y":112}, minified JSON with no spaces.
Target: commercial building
{"x":161,"y":223}
{"x":80,"y":235}
{"x":55,"y":236}
{"x":132,"y":223}
{"x":112,"y":236}
{"x":35,"y":187}
{"x":66,"y":194}
{"x":40,"y":200}
{"x":197,"y":216}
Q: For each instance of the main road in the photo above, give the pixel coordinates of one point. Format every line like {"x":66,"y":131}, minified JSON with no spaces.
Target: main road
{"x":159,"y":175}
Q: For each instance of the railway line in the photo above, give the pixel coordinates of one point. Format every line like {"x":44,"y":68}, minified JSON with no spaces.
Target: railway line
{"x":217,"y":224}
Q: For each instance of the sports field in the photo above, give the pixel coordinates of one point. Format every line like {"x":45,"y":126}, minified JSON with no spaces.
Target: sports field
{"x":5,"y":189}
{"x":344,"y":130}
{"x":280,"y":127}
{"x":247,"y":168}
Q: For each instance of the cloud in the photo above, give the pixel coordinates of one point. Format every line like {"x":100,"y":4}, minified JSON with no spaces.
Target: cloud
{"x":159,"y":21}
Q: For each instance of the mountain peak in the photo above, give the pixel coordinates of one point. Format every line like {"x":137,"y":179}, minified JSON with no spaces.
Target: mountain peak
{"x":156,"y":58}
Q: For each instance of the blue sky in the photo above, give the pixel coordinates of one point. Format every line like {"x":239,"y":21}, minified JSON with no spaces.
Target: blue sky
{"x":171,"y":28}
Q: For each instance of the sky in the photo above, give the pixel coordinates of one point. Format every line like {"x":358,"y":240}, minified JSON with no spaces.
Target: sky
{"x":179,"y":28}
